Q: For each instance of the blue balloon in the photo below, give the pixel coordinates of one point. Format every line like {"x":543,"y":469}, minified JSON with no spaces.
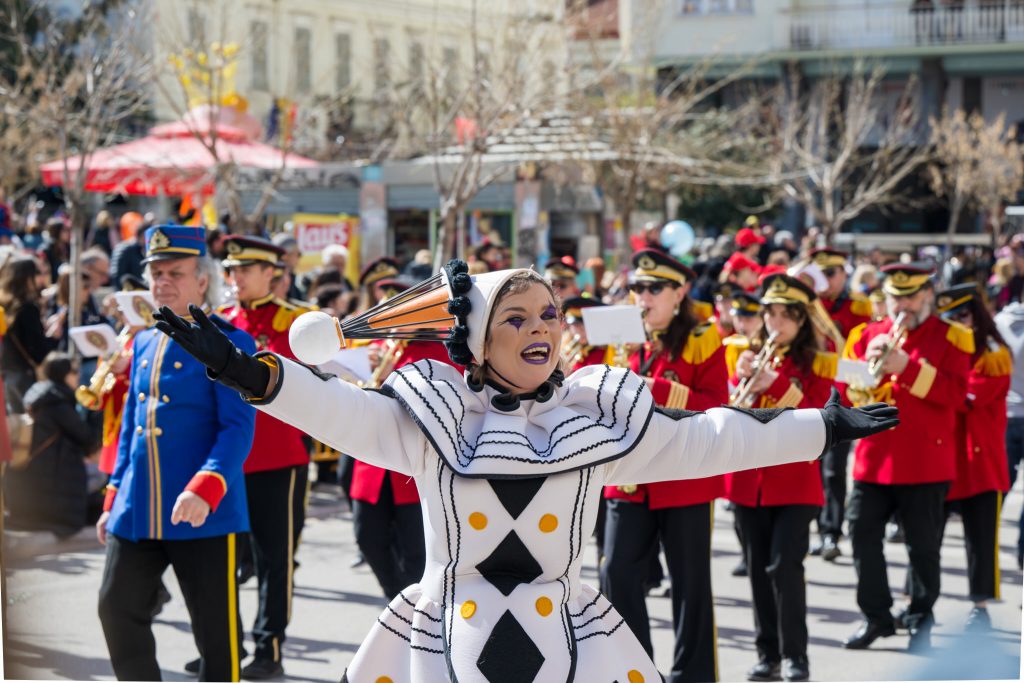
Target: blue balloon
{"x":678,"y":237}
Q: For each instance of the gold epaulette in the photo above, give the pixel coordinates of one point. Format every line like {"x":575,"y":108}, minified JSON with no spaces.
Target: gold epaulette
{"x":860,"y":306}
{"x":286,"y":314}
{"x":854,"y":337}
{"x":995,"y":362}
{"x":3,"y":321}
{"x":825,"y":364}
{"x":734,"y":344}
{"x":703,"y":310}
{"x":703,"y":341}
{"x":960,"y":336}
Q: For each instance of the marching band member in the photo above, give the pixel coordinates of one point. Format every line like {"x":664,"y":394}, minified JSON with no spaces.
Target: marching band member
{"x":908,"y":469}
{"x":684,"y":366}
{"x":509,"y":460}
{"x":176,"y":496}
{"x":847,"y":312}
{"x":775,"y":505}
{"x":982,"y":477}
{"x":582,"y":353}
{"x":277,"y":468}
{"x":562,"y":274}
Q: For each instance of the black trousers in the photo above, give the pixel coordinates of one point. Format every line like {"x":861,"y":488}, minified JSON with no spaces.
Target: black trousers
{"x":631,"y":538}
{"x":921,"y":510}
{"x":980,"y":515}
{"x":775,"y":542}
{"x":276,"y":515}
{"x":833,"y":479}
{"x":205,"y":568}
{"x":391,"y":539}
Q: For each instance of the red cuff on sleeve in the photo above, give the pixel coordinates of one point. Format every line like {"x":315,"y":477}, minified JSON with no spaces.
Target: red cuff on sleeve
{"x":108,"y":498}
{"x":209,"y":486}
{"x":660,"y":390}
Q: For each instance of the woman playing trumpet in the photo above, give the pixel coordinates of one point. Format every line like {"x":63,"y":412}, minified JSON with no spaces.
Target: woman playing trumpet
{"x":509,"y":459}
{"x":775,"y":505}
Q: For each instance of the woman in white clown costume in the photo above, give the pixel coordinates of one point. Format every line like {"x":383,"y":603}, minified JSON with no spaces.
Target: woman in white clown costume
{"x":510,"y":460}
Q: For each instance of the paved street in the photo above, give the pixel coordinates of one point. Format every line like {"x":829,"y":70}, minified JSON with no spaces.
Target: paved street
{"x":54,"y":633}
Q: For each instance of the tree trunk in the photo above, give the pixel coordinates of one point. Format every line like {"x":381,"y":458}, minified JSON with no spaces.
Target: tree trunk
{"x":444,"y":247}
{"x":75,"y":298}
{"x":956,"y":207}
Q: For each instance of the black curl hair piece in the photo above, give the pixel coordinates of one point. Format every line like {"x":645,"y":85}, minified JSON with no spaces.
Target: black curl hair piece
{"x":460,"y":283}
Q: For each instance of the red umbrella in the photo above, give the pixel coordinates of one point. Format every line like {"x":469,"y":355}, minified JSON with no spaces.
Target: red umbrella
{"x":171,"y":160}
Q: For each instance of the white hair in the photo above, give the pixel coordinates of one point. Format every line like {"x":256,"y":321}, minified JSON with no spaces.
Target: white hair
{"x":205,"y":266}
{"x":332,"y":250}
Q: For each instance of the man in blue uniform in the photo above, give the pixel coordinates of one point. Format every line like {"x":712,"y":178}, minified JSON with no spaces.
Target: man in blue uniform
{"x":177,"y":496}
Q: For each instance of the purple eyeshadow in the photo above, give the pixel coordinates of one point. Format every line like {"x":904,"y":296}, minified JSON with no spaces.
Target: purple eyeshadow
{"x":550,"y":312}
{"x":516,"y":322}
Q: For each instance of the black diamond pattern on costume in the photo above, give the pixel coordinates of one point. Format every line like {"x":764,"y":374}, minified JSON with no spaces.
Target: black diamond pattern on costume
{"x":516,"y":494}
{"x":509,"y":656}
{"x":509,"y":565}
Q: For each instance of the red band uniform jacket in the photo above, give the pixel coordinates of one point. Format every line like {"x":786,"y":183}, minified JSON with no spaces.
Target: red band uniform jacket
{"x":848,"y":312}
{"x":591,"y":355}
{"x":922,"y":448}
{"x":276,"y":445}
{"x":696,"y":379}
{"x":798,"y":483}
{"x":981,"y":426}
{"x":368,"y":479}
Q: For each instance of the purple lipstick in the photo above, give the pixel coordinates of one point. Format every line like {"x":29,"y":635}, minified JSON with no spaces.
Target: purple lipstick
{"x":537,"y":353}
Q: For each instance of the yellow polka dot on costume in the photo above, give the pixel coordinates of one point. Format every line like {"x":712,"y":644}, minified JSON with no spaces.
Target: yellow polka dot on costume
{"x":548,"y":523}
{"x":478,"y":520}
{"x":468,"y":609}
{"x":384,"y":679}
{"x":635,"y":676}
{"x":543,"y":606}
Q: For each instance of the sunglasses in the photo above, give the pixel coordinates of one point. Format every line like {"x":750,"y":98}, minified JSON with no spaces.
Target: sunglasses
{"x":830,"y":272}
{"x":962,"y":315}
{"x":655,"y":288}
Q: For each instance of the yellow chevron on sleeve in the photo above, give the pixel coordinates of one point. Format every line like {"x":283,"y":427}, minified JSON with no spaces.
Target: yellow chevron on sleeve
{"x":851,"y":341}
{"x":825,"y":364}
{"x":860,"y":306}
{"x":960,"y":336}
{"x":286,"y":314}
{"x":703,"y":342}
{"x":995,"y":363}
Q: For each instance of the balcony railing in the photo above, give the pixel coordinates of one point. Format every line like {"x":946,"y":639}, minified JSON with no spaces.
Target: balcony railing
{"x":902,"y":24}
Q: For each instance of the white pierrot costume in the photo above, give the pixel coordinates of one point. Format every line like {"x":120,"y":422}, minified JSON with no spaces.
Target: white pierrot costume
{"x":509,"y":489}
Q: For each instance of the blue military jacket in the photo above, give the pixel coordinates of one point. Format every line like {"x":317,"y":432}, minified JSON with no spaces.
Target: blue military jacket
{"x":180,"y":428}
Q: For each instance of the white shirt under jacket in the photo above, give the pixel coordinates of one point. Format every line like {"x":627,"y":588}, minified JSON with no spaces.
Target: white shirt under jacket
{"x":509,"y":496}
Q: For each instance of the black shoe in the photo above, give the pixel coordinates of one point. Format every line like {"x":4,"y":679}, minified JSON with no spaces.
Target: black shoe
{"x":978,"y":621}
{"x":192,"y":668}
{"x":900,"y":620}
{"x":162,"y":598}
{"x":796,"y":669}
{"x":869,"y":632}
{"x":764,"y":671}
{"x":920,"y":640}
{"x":262,"y":669}
{"x":740,"y":569}
{"x":816,"y":547}
{"x":894,"y":533}
{"x":830,"y":549}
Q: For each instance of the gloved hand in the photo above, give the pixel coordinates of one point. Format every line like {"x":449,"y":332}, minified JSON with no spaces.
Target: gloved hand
{"x":847,"y":424}
{"x":205,"y":342}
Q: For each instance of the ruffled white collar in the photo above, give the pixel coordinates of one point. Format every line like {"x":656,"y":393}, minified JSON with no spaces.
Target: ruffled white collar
{"x":598,"y":414}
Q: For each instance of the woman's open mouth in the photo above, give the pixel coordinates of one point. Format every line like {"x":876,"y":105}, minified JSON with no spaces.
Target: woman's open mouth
{"x":536,"y":354}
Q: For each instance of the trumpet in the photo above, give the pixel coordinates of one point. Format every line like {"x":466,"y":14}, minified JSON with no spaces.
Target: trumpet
{"x":393,"y":351}
{"x":897,"y":336}
{"x":102,"y":381}
{"x":743,"y":396}
{"x":570,"y":348}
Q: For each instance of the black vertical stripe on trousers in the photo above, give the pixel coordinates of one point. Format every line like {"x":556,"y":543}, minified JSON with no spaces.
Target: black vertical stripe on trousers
{"x":775,"y":541}
{"x":276,"y":511}
{"x":632,"y":534}
{"x":205,"y":568}
{"x":921,"y":511}
{"x":390,"y":537}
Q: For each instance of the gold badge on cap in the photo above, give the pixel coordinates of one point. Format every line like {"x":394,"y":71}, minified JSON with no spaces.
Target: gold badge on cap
{"x":158,"y":241}
{"x":234,"y":248}
{"x":779,"y":286}
{"x":646,"y":263}
{"x":901,"y":278}
{"x":945,"y":301}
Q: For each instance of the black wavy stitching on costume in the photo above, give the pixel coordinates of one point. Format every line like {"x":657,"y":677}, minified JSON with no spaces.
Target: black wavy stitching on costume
{"x":416,"y":609}
{"x":458,"y":541}
{"x":573,"y":649}
{"x":456,"y":444}
{"x":586,"y":607}
{"x":409,"y":622}
{"x":408,"y":639}
{"x":602,"y":633}
{"x":593,"y":619}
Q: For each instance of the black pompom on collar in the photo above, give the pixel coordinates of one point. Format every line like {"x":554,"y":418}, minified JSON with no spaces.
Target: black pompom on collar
{"x":459,"y":306}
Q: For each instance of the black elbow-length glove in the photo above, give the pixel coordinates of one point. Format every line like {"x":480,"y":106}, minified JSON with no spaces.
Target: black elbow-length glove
{"x":225,"y":362}
{"x":847,"y":424}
